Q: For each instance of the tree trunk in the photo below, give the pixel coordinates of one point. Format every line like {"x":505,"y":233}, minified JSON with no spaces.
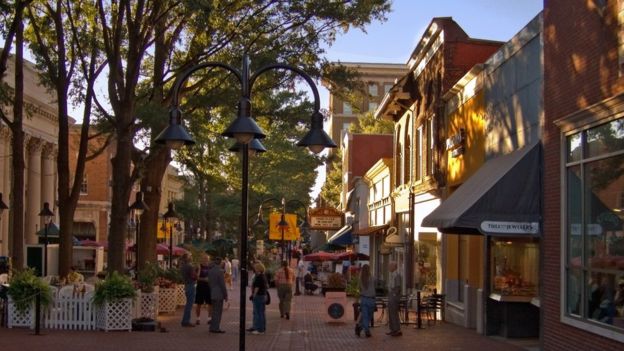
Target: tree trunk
{"x":122,"y":187}
{"x":17,"y":146}
{"x":151,"y":184}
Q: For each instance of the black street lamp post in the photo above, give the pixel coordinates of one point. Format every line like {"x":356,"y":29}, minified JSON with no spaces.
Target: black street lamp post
{"x":169,"y":217}
{"x":244,"y":129}
{"x":137,"y":208}
{"x":47,"y":215}
{"x":283,"y":224}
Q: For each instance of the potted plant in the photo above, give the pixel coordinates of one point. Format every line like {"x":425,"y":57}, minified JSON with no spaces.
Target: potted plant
{"x":167,"y":300}
{"x":335,"y":282}
{"x":148,"y":299}
{"x":25,"y":286}
{"x":113,"y":301}
{"x":174,"y":275}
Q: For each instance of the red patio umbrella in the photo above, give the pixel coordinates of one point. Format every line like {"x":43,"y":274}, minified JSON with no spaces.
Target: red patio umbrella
{"x":162,"y":249}
{"x":88,"y":242}
{"x":321,"y":256}
{"x":350,"y":256}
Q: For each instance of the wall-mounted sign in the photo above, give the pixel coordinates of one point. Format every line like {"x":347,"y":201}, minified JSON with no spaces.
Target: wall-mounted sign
{"x":500,"y":227}
{"x":456,"y":140}
{"x":326,"y":219}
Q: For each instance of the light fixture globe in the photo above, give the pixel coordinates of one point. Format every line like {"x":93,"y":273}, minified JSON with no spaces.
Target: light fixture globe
{"x":139,"y":206}
{"x":244,"y":130}
{"x":255,"y":147}
{"x":316,"y":139}
{"x":174,"y":136}
{"x":46,"y":213}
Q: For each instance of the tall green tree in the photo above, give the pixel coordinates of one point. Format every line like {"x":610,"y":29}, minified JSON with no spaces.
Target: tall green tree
{"x":66,"y":42}
{"x":12,"y":28}
{"x":368,"y":124}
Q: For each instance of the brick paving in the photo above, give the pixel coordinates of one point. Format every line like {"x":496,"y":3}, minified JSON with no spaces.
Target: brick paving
{"x":307,"y":330}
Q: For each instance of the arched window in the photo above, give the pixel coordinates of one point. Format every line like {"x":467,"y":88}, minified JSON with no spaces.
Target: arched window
{"x":398,"y":157}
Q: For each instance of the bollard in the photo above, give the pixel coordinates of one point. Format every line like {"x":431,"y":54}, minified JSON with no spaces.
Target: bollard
{"x":37,"y":312}
{"x":418,"y":316}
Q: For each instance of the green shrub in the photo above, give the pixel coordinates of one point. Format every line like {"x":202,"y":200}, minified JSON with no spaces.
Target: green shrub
{"x":146,"y":277}
{"x":24,"y":288}
{"x":353,"y":287}
{"x":114,"y":288}
{"x":172,"y":274}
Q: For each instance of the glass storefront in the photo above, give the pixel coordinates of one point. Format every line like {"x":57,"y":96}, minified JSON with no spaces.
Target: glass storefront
{"x":514,"y":267}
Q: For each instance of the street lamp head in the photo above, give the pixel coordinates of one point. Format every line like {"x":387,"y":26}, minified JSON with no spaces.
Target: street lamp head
{"x":46,"y":213}
{"x":282,"y":223}
{"x":174,"y":136}
{"x":316,"y":139}
{"x":171,"y":213}
{"x":3,"y":206}
{"x":255,"y":147}
{"x":244,"y":130}
{"x":139,"y":206}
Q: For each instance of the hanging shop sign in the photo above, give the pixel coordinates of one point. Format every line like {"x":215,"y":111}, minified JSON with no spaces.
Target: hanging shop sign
{"x":326,"y":218}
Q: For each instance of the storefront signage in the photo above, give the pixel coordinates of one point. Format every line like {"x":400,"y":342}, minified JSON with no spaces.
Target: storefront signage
{"x":326,"y":219}
{"x":510,"y":227}
{"x":592,"y":229}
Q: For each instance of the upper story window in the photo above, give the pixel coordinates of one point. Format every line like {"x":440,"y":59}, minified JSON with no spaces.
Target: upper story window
{"x":372,"y":89}
{"x":372,"y":106}
{"x":84,"y":188}
{"x":418,"y":158}
{"x":430,"y":146}
{"x":387,"y":87}
{"x":386,"y":187}
{"x":594,"y":227}
{"x":346,"y":108}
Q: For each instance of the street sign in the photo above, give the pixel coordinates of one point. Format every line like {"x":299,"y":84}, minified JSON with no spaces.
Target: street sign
{"x":326,"y":219}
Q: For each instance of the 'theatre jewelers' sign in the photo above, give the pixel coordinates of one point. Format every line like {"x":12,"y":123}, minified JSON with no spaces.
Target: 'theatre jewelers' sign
{"x":326,"y":219}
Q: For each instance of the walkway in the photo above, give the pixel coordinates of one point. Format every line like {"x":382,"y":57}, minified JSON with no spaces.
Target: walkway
{"x":306,"y":330}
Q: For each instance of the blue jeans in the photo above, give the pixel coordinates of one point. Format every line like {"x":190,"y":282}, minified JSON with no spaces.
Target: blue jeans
{"x":367,"y":308}
{"x":189,"y":291}
{"x":259,"y":318}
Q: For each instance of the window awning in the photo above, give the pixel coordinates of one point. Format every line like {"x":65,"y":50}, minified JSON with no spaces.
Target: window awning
{"x":342,"y":237}
{"x":370,"y":230}
{"x":502,"y":198}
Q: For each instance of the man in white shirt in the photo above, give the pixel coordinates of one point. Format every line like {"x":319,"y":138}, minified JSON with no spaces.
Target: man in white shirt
{"x":301,"y":271}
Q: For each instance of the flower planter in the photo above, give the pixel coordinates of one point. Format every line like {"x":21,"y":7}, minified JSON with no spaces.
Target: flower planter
{"x":180,"y":295}
{"x":16,"y":318}
{"x":167,"y":300}
{"x":114,"y":315}
{"x":148,"y":305}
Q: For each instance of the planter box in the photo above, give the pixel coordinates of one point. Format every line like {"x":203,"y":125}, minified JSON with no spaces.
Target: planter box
{"x":20,"y":319}
{"x":167,"y":300}
{"x":180,"y":295}
{"x":147,"y":305}
{"x":115,"y":315}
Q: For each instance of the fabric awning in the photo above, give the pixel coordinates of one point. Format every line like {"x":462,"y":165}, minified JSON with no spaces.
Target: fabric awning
{"x":502,"y":198}
{"x":370,"y":230}
{"x":342,"y":237}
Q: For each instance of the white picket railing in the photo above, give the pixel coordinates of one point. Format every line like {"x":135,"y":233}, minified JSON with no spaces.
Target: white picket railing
{"x":71,"y":312}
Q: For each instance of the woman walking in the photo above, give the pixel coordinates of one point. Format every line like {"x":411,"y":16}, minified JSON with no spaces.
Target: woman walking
{"x":367,"y":301}
{"x":202,"y":296}
{"x":259,"y":288}
{"x":284,"y":280}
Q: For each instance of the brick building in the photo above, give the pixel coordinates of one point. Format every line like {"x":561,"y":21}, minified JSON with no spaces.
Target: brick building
{"x":583,"y":255}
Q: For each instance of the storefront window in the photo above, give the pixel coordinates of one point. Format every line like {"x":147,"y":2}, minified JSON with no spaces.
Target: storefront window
{"x":594,"y":230}
{"x":515,"y":269}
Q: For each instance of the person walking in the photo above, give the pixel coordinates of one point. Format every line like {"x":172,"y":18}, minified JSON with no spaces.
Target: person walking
{"x":259,"y":288}
{"x":235,"y":269}
{"x":284,"y":280}
{"x":394,"y":296}
{"x":189,"y":275}
{"x":367,"y":301}
{"x":227,"y":267}
{"x":301,"y":271}
{"x":218,"y":294}
{"x":202,"y":294}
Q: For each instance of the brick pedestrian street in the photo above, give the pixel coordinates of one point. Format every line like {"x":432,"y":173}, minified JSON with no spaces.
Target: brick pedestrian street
{"x":306,"y":330}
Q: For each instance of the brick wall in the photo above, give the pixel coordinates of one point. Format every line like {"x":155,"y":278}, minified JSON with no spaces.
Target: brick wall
{"x":580,"y":69}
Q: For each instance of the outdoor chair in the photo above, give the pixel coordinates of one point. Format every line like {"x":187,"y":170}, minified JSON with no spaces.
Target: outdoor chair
{"x":431,"y":305}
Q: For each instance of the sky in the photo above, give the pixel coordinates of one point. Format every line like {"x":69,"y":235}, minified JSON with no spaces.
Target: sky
{"x":394,"y":40}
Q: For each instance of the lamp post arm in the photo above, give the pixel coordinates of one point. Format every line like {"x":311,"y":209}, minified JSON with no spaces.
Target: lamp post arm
{"x":184,"y":76}
{"x":300,"y":72}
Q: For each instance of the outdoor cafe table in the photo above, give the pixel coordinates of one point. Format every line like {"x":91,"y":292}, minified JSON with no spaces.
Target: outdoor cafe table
{"x":405,"y":302}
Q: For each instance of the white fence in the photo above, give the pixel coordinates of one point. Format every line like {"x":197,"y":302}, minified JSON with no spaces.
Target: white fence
{"x":72,"y":312}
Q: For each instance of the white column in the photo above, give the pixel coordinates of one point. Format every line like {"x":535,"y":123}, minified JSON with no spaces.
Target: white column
{"x":48,"y":184}
{"x":33,"y":191}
